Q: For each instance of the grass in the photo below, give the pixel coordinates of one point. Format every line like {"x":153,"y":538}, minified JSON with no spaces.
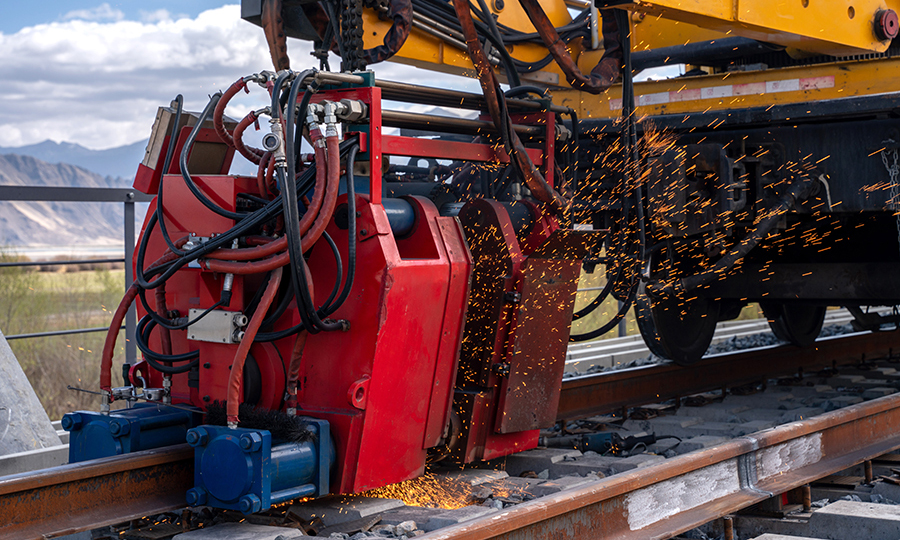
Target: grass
{"x":32,"y":301}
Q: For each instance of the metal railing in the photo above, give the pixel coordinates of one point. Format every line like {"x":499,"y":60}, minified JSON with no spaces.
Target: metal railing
{"x":126,"y":196}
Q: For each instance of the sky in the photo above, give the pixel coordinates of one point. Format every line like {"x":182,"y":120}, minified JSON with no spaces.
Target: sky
{"x":94,"y":73}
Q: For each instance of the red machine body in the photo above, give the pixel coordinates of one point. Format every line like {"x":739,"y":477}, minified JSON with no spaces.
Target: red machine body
{"x":391,"y":382}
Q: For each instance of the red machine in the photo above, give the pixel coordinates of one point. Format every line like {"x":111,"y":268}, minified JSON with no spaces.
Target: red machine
{"x":453,"y":320}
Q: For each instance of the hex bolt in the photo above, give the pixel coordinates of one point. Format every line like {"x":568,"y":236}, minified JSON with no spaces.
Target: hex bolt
{"x":363,"y":232}
{"x":196,"y":496}
{"x":250,"y":504}
{"x":119,"y":428}
{"x":251,"y":442}
{"x":72,"y":422}
{"x":197,"y":437}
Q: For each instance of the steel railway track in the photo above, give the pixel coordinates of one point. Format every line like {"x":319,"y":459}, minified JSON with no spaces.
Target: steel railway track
{"x":76,"y":497}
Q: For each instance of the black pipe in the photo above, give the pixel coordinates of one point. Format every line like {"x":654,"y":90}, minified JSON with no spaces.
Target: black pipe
{"x":714,"y":52}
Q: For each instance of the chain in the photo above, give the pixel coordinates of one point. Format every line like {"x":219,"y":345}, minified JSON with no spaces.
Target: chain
{"x":352,"y":34}
{"x":891,"y":160}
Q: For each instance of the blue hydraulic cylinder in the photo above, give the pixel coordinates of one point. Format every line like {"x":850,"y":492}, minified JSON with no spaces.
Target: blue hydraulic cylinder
{"x":144,"y":426}
{"x":240,"y":469}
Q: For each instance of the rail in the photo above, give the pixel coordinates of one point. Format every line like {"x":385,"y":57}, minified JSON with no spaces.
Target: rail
{"x":76,"y":497}
{"x":128,"y":197}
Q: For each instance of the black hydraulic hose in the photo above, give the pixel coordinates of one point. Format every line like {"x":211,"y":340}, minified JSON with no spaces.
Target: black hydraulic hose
{"x":159,"y":320}
{"x":167,"y":163}
{"x":596,"y":302}
{"x":182,"y":163}
{"x":286,"y":299}
{"x":351,"y":258}
{"x":593,"y":334}
{"x":511,"y":72}
{"x":339,"y":270}
{"x":142,"y":336}
{"x":351,"y":233}
{"x":526,"y":89}
{"x":290,"y":208}
{"x":630,"y":128}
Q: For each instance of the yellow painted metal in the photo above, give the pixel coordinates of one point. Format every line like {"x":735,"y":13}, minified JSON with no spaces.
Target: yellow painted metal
{"x":739,"y":90}
{"x":834,"y":27}
{"x":654,"y":32}
{"x":428,"y":52}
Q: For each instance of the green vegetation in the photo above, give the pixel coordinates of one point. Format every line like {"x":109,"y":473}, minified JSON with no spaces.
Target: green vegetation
{"x":33,"y":301}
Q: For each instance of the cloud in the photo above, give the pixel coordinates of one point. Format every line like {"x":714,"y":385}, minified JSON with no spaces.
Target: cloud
{"x":99,"y":83}
{"x":156,"y":15}
{"x":103,"y":12}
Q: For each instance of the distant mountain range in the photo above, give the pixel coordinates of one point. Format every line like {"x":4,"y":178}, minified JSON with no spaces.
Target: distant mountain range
{"x":60,"y":224}
{"x":121,"y":161}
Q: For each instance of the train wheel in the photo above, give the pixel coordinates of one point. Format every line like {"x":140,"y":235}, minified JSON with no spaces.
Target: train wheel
{"x":677,"y":329}
{"x":798,"y":324}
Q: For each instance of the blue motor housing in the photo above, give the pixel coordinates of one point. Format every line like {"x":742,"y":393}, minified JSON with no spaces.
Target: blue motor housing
{"x":145,"y":426}
{"x":240,"y":469}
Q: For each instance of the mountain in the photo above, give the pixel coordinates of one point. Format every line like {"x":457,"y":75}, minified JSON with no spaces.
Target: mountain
{"x":121,"y":161}
{"x":57,"y":223}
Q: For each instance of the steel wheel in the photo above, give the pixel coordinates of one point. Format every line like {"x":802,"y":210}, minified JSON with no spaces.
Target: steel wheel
{"x":798,"y":324}
{"x":677,"y":329}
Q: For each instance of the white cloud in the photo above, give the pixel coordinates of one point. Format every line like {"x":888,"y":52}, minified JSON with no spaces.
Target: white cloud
{"x":156,"y":15}
{"x":99,"y":84}
{"x":103,"y":12}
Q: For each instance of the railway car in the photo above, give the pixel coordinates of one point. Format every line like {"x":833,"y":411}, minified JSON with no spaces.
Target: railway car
{"x":394,"y":288}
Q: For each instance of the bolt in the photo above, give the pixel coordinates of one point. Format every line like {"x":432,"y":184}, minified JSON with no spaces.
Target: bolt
{"x":196,"y":496}
{"x":197,"y":437}
{"x":250,"y":504}
{"x":251,"y":442}
{"x":207,"y":365}
{"x":118,"y":428}
{"x":363,"y":232}
{"x":72,"y":422}
{"x":206,"y":399}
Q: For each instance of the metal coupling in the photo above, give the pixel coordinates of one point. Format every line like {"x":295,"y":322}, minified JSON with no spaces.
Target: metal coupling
{"x":352,"y":110}
{"x":167,"y":389}
{"x":104,"y":404}
{"x":274,"y":142}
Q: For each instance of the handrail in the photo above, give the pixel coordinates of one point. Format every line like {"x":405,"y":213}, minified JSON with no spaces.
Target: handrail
{"x":126,"y":196}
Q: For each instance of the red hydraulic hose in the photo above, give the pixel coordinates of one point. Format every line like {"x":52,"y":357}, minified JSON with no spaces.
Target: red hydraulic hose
{"x":533,"y":178}
{"x":219,"y":114}
{"x":327,"y":184}
{"x":604,"y":73}
{"x":109,"y":346}
{"x":253,"y":154}
{"x":294,"y":370}
{"x":165,"y":336}
{"x":235,"y":379}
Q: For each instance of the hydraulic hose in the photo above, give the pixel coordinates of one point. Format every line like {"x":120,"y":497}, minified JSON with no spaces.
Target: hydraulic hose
{"x":401,"y":12}
{"x":109,"y":346}
{"x":533,"y":178}
{"x":182,"y":162}
{"x":236,"y":376}
{"x":252,"y":154}
{"x":604,"y":73}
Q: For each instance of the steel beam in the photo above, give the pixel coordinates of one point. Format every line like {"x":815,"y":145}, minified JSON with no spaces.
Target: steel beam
{"x":80,"y":496}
